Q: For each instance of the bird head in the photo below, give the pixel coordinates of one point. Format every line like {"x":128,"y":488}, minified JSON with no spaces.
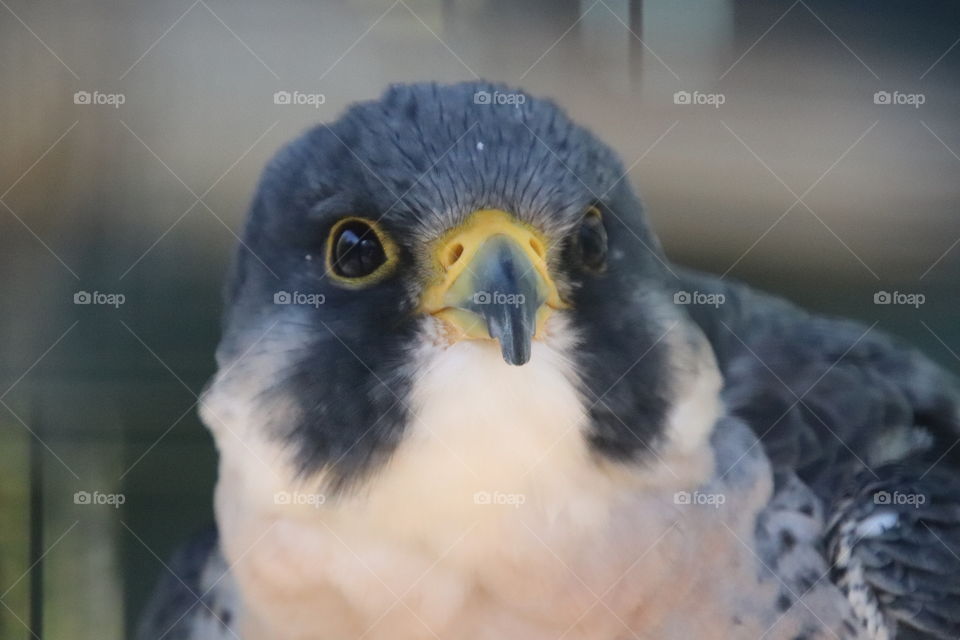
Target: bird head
{"x":438,"y":218}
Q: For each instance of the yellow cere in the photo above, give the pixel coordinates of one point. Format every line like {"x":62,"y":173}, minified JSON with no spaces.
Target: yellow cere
{"x":453,"y":253}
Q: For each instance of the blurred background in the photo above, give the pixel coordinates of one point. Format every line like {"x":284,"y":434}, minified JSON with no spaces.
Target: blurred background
{"x":807,"y":147}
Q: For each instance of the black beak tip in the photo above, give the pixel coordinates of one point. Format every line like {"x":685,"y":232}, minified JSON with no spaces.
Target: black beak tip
{"x":515,"y":347}
{"x":516,"y":358}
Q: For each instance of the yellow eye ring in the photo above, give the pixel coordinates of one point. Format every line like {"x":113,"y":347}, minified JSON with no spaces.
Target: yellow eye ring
{"x":359,"y":252}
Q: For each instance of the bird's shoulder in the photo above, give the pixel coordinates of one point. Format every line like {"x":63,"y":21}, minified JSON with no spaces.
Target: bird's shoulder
{"x":826,"y":395}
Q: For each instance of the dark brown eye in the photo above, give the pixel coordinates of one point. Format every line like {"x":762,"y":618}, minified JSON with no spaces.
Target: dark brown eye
{"x":592,"y":240}
{"x":358,"y":249}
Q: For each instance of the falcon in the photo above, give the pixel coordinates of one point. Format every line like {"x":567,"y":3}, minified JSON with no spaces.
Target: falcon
{"x":462,"y":393}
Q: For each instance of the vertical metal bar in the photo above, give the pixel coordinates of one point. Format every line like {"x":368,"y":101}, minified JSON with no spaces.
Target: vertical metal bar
{"x":635,"y":61}
{"x":36,"y":526}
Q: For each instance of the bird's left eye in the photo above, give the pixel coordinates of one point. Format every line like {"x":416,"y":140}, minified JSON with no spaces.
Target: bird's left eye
{"x":358,"y":251}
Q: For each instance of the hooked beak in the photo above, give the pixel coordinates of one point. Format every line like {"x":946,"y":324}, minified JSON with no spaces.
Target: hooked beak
{"x":494,"y":283}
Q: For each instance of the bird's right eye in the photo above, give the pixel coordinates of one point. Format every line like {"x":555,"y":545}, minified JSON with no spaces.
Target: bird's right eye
{"x":592,"y":240}
{"x":359,"y":252}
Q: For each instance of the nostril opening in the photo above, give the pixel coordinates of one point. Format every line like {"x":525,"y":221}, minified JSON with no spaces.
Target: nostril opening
{"x":453,"y":255}
{"x":536,"y":246}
